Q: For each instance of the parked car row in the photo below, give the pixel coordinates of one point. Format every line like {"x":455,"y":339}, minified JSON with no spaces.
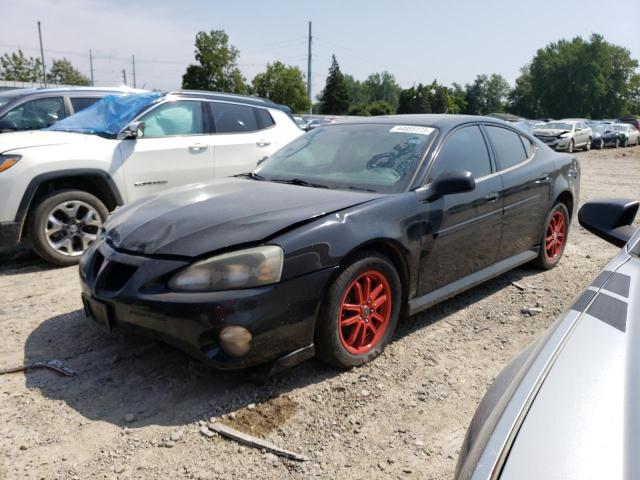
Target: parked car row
{"x":573,"y":134}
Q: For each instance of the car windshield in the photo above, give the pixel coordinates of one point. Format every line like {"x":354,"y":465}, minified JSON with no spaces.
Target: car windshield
{"x":371,"y":157}
{"x":597,"y":128}
{"x":107,"y":116}
{"x":556,"y":126}
{"x":620,"y":128}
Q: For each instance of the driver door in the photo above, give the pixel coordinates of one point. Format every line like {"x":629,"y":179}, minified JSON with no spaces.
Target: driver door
{"x":465,"y":228}
{"x":174,"y":150}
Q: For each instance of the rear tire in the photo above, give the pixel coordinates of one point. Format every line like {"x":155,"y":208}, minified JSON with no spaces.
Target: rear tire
{"x":360,"y":312}
{"x":554,"y":237}
{"x":587,"y":147}
{"x":601,"y":145}
{"x":62,"y":225}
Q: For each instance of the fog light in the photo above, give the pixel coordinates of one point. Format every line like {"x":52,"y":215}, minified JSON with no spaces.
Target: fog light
{"x":235,"y":341}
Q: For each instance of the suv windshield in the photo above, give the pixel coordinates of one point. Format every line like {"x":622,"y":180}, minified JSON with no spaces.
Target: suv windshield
{"x":372,"y":157}
{"x":107,"y":116}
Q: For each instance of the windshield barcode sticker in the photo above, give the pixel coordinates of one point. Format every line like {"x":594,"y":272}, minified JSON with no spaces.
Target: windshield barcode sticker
{"x":412,"y":129}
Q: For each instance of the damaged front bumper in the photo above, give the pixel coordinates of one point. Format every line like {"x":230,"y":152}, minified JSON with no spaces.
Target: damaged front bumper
{"x":127,"y":292}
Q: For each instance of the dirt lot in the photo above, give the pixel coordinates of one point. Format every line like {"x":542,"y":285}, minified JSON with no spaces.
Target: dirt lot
{"x":133,"y":408}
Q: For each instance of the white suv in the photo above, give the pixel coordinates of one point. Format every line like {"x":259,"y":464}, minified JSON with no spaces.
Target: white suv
{"x":58,"y":185}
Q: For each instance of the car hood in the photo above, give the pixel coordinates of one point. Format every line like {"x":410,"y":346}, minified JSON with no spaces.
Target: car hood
{"x":585,"y":421}
{"x":12,"y":141}
{"x":202,"y":218}
{"x":549,"y":132}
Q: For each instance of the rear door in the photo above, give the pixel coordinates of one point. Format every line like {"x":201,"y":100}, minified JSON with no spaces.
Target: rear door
{"x":465,"y":227}
{"x":243,"y":136}
{"x":174,"y":150}
{"x":527,"y":185}
{"x":80,"y":103}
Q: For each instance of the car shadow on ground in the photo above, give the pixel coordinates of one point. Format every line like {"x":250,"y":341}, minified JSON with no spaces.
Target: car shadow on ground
{"x":118,"y":375}
{"x":22,"y":260}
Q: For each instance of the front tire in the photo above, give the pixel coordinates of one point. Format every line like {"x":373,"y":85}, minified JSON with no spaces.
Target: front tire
{"x":587,"y":147}
{"x":63,"y":225}
{"x":360,"y":312}
{"x":570,"y":147}
{"x":601,"y":145}
{"x":554,"y":237}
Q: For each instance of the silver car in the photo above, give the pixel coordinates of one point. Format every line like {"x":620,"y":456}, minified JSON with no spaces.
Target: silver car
{"x":628,"y":134}
{"x":567,"y":406}
{"x":567,"y":135}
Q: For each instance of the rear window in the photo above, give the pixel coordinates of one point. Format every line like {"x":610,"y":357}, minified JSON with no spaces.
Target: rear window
{"x":233,"y":118}
{"x":80,"y":103}
{"x":508,"y":146}
{"x":264,"y":118}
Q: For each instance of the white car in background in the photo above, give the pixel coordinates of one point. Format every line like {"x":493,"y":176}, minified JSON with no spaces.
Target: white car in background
{"x":565,"y":135}
{"x":58,"y":185}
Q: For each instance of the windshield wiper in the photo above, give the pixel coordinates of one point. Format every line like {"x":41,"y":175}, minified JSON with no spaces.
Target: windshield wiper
{"x":301,"y":182}
{"x":252,"y":175}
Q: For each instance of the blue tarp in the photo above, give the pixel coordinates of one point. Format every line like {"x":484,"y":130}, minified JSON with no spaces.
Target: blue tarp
{"x":107,"y":116}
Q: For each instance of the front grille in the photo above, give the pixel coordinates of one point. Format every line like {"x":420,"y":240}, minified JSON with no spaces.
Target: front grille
{"x":111,"y":276}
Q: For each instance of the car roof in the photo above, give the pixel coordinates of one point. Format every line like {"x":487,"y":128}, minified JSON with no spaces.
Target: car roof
{"x":231,"y":97}
{"x":28,"y":91}
{"x":438,"y":120}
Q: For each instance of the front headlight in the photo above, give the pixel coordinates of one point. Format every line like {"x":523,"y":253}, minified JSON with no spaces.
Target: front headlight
{"x":8,"y":161}
{"x":249,"y":268}
{"x":564,"y":135}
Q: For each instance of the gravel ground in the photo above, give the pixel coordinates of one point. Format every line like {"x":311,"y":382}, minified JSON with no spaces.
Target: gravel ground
{"x":135,"y":407}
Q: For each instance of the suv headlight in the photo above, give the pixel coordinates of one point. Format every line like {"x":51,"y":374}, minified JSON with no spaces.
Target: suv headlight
{"x":8,"y":161}
{"x":248,"y":268}
{"x":564,"y":135}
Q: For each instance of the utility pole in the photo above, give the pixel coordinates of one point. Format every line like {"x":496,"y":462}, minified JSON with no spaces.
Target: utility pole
{"x":91,"y":67}
{"x":309,"y":73}
{"x":44,"y":75}
{"x":133,"y":63}
{"x":124,"y":77}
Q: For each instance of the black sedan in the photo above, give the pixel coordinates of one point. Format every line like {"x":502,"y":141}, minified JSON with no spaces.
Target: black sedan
{"x":323,"y":246}
{"x":604,"y":136}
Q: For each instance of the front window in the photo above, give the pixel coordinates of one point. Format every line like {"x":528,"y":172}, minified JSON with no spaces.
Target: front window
{"x":36,"y":114}
{"x":174,"y":118}
{"x":372,"y":157}
{"x":620,"y":128}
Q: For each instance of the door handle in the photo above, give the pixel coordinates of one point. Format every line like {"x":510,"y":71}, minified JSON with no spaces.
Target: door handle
{"x":492,"y":197}
{"x":263,"y":143}
{"x":544,"y":178}
{"x":197,"y":147}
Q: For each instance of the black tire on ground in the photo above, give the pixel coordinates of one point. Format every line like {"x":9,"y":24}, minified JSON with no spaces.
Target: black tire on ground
{"x":587,"y":145}
{"x":38,"y":219}
{"x":548,"y":258}
{"x":331,"y":344}
{"x":570,"y":147}
{"x":601,"y":145}
{"x":617,"y":143}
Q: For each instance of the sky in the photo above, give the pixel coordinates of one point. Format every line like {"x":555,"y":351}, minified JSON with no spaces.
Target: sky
{"x":417,"y":41}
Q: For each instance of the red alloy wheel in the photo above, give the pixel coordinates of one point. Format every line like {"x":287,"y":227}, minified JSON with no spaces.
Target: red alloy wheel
{"x":365,"y":312}
{"x":556,"y":235}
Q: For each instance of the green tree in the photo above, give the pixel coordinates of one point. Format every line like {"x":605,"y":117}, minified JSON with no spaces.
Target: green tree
{"x":380,"y":108}
{"x":63,"y":72}
{"x":335,"y":98}
{"x":457,"y":99}
{"x":439,"y":98}
{"x":19,"y":68}
{"x":415,"y":99}
{"x":217,"y":67}
{"x":382,"y":87}
{"x":522,"y":100}
{"x":582,"y":78}
{"x":284,"y":85}
{"x":487,"y":95}
{"x":359,"y":109}
{"x":357,"y":91}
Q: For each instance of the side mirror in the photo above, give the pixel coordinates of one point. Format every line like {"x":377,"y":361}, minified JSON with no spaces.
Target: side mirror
{"x":132,"y":131}
{"x":610,"y":219}
{"x":447,"y":183}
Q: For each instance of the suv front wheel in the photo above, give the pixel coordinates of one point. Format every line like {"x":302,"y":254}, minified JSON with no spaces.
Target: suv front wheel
{"x":63,"y":225}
